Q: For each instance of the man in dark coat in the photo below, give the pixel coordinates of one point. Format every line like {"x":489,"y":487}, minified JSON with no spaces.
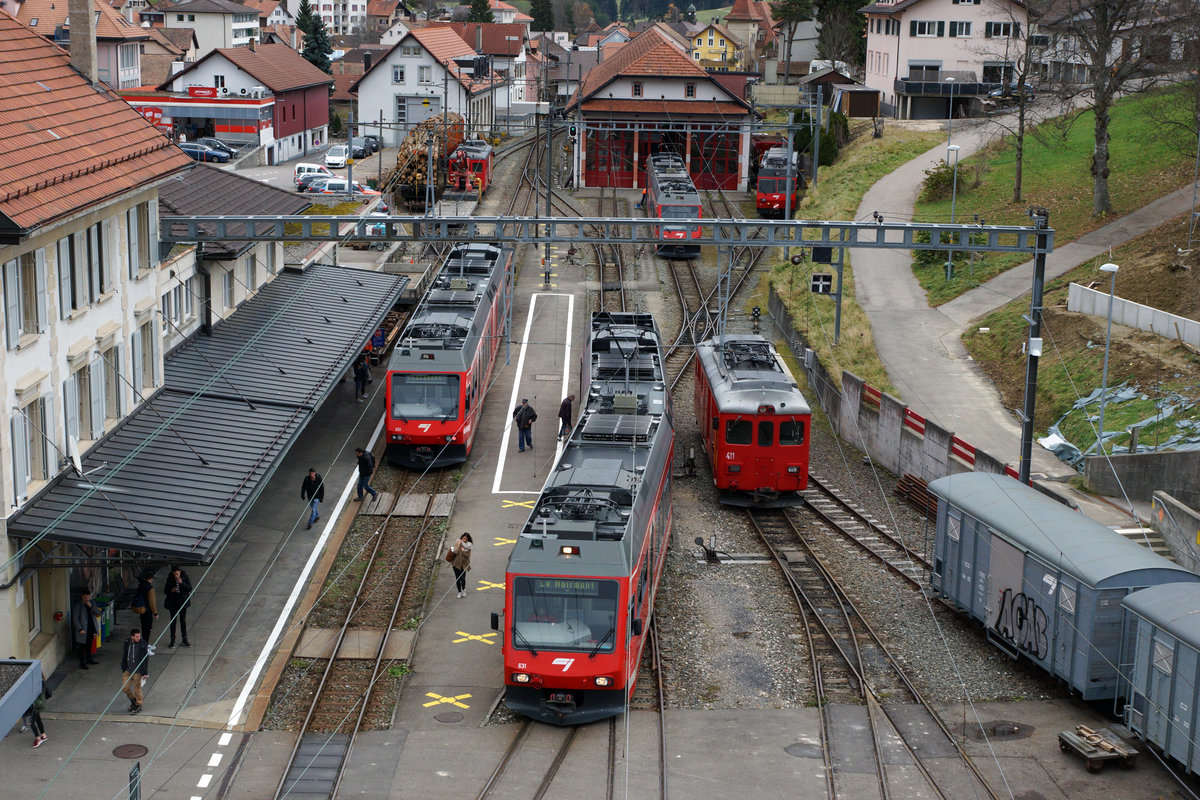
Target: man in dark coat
{"x":366,"y":468}
{"x":564,"y":414}
{"x":135,"y":665}
{"x":362,"y":376}
{"x":313,"y":490}
{"x":525,"y":416}
{"x":83,"y":627}
{"x":177,"y":595}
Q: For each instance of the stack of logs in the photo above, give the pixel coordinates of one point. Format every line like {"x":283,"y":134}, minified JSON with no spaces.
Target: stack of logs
{"x":407,"y":180}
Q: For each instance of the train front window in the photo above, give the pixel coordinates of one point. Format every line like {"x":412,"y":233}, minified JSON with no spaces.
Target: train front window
{"x":791,"y":432}
{"x":766,"y":433}
{"x":681,"y":212}
{"x":565,"y":614}
{"x":739,"y":431}
{"x":424,"y":396}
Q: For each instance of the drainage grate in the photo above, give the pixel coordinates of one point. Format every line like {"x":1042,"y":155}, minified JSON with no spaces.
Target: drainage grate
{"x":130,"y":751}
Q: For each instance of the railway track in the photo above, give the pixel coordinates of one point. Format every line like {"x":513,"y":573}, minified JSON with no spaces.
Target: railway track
{"x":343,"y":693}
{"x":860,"y":686}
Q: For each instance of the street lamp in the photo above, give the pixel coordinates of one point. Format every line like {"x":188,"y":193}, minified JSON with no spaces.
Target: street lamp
{"x":952,"y":150}
{"x":1112,"y":269}
{"x":950,"y":113}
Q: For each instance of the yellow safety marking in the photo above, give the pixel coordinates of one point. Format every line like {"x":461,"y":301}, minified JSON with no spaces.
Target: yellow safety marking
{"x":500,"y":540}
{"x":454,"y":701}
{"x":514,"y":503}
{"x":485,"y":585}
{"x":471,"y":637}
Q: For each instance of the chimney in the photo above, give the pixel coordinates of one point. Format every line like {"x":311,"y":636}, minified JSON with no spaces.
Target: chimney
{"x":366,"y":63}
{"x":252,"y":41}
{"x":479,"y":37}
{"x":83,"y":38}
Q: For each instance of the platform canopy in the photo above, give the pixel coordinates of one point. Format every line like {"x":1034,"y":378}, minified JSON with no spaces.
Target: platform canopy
{"x":179,"y":474}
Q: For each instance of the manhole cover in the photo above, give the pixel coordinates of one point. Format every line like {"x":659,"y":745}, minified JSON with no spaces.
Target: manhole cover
{"x":997,"y":729}
{"x":800,"y":750}
{"x":130,"y":751}
{"x":448,"y":716}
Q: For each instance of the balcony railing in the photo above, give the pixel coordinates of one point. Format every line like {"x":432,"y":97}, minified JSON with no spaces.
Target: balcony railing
{"x":943,"y":89}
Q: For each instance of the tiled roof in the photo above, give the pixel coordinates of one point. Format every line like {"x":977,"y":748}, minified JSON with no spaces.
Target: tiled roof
{"x":500,"y":5}
{"x":651,"y":54}
{"x":275,"y":66}
{"x":263,"y":7}
{"x":51,"y":14}
{"x":499,"y":38}
{"x":66,"y":144}
{"x":381,"y":8}
{"x":209,"y":7}
{"x":444,"y":45}
{"x":159,"y":35}
{"x":207,"y":190}
{"x":743,"y":11}
{"x":183,"y":38}
{"x":342,"y":85}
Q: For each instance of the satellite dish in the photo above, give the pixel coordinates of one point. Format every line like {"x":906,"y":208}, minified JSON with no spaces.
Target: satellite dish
{"x":73,"y":454}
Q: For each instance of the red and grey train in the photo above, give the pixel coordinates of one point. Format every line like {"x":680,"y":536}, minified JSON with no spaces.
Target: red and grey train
{"x":441,"y":366}
{"x":581,"y":580}
{"x":470,"y":168}
{"x":671,"y":195}
{"x":771,"y":189}
{"x":754,"y":421}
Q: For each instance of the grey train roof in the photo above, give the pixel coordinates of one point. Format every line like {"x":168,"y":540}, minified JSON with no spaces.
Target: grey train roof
{"x":476,"y":149}
{"x":444,"y":331}
{"x":598,"y":494}
{"x":746,"y":372}
{"x":1050,"y":530}
{"x":669,"y":180}
{"x":1174,"y":607}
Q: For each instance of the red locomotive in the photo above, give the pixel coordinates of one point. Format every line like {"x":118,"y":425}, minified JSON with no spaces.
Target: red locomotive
{"x":441,"y":367}
{"x":470,"y":169}
{"x":754,"y":421}
{"x":771,"y":188}
{"x":582,"y":577}
{"x":670,"y":194}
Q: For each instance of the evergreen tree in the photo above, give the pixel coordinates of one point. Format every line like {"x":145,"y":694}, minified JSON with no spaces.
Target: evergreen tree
{"x":480,"y":12}
{"x":543,"y":15}
{"x":569,"y":17}
{"x":305,"y":18}
{"x":318,"y":47}
{"x":791,"y":13}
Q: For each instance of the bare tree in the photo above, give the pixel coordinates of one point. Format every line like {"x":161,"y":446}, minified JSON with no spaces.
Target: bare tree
{"x":841,"y":35}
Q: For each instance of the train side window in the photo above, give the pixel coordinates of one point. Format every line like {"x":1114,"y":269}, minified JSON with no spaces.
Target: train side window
{"x":791,"y":432}
{"x":739,"y":431}
{"x":766,"y":433}
{"x":716,"y":423}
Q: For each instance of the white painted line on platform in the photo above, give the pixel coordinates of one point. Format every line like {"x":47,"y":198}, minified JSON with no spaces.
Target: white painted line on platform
{"x":225,"y":739}
{"x":215,"y":760}
{"x":516,"y":390}
{"x":299,"y":586}
{"x":204,"y":781}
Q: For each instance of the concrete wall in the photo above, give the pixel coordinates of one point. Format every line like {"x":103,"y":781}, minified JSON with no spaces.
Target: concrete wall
{"x":1133,"y":315}
{"x":1179,"y":525}
{"x":1141,"y":474}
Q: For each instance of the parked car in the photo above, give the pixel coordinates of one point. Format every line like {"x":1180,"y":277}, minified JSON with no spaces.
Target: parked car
{"x":303,"y":170}
{"x":342,"y":186}
{"x":1011,"y":91}
{"x":336,"y":157}
{"x":359,"y":147}
{"x":373,"y":140}
{"x":217,"y":144}
{"x":202,"y":152}
{"x":315,"y":183}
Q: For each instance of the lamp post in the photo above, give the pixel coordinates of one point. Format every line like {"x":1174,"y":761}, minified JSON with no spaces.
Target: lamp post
{"x":952,"y":150}
{"x":950,"y":113}
{"x":1111,"y":269}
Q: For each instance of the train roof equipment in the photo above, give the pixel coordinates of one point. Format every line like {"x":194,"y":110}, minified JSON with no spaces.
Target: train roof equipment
{"x":670,"y":182}
{"x":746,"y":373}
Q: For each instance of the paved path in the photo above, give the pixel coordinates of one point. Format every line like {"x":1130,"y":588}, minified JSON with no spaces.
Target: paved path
{"x":920,"y":346}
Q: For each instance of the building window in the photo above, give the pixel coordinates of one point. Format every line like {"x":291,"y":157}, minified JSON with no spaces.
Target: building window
{"x":179,"y":17}
{"x":637,"y":89}
{"x":918,"y":71}
{"x":189,"y":299}
{"x":696,"y":55}
{"x":111,"y":365}
{"x":410,"y":50}
{"x":219,"y":81}
{"x":960,"y":29}
{"x":33,"y":448}
{"x":227,"y":279}
{"x":99,"y":258}
{"x":689,"y":90}
{"x":720,"y":42}
{"x":401,"y":110}
{"x":924,"y":27}
{"x":191,"y":17}
{"x":24,"y":296}
{"x":138,"y":223}
{"x":73,"y":284}
{"x":270,"y":258}
{"x":397,"y":74}
{"x":31,"y":590}
{"x":78,"y":404}
{"x":1001,"y":30}
{"x":145,"y":357}
{"x":425,"y":74}
{"x":251,"y":277}
{"x":128,"y":55}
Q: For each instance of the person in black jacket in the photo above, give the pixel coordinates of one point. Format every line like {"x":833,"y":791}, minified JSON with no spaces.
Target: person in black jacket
{"x":177,"y":595}
{"x":524,"y":416}
{"x":564,"y":415}
{"x":362,"y":376}
{"x":313,"y":490}
{"x":135,"y":658}
{"x":366,"y":468}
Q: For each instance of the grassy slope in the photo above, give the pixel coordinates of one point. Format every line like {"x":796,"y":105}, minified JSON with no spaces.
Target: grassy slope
{"x":1057,"y":175}
{"x":864,"y":161}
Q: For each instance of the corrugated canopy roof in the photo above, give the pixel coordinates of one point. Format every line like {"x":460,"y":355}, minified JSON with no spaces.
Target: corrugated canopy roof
{"x":1174,"y":607}
{"x":1050,"y":530}
{"x":238,"y":408}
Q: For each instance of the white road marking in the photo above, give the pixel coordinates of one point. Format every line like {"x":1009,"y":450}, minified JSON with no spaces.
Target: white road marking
{"x":215,"y":760}
{"x":204,"y":781}
{"x":517,"y":384}
{"x":225,"y":739}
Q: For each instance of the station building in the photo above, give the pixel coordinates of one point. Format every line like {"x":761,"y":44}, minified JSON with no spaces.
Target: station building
{"x":648,"y":97}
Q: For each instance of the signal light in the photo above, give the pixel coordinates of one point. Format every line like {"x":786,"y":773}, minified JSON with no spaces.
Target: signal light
{"x":568,"y":550}
{"x":571,"y":131}
{"x":766,"y":409}
{"x":603,"y":680}
{"x":520,"y":677}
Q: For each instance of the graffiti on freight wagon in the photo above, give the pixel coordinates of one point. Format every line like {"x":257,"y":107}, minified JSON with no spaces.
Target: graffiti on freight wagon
{"x":1021,"y":621}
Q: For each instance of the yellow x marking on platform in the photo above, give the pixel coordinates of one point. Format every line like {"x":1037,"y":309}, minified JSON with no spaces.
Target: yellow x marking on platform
{"x":454,"y":701}
{"x":514,"y":503}
{"x":469,"y":637}
{"x":485,"y":585}
{"x":500,"y":540}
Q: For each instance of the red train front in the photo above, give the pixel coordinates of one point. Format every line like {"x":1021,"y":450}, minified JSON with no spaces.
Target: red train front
{"x":772,"y":183}
{"x":754,"y":421}
{"x":583,"y":575}
{"x":470,"y":169}
{"x":441,"y":367}
{"x":671,"y":195}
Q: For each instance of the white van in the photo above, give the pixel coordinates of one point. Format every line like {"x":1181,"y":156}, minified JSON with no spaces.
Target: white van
{"x":309,"y":169}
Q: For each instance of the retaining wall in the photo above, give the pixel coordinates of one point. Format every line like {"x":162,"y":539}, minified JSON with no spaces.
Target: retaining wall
{"x":1179,"y":525}
{"x":1133,"y":315}
{"x":1141,"y":474}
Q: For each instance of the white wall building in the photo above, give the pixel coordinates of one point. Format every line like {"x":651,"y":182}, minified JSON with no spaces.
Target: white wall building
{"x":218,"y":23}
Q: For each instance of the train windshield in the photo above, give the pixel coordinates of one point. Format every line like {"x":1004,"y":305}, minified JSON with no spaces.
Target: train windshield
{"x":681,"y":212}
{"x":791,"y":432}
{"x":424,"y":396}
{"x":564,"y":614}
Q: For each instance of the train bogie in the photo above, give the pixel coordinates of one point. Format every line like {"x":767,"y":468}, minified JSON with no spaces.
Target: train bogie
{"x":754,"y":421}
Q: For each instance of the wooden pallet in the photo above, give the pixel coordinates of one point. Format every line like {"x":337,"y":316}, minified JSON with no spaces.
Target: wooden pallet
{"x":915,"y":491}
{"x":1096,"y":747}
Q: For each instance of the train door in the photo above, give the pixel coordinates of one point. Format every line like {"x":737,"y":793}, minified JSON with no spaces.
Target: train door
{"x":765,"y":464}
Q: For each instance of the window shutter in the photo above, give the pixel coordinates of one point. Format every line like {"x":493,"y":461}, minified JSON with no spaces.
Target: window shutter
{"x":12,"y":302}
{"x":71,"y":409}
{"x":119,"y":390}
{"x":155,"y":345}
{"x":108,"y":251}
{"x":1016,"y":30}
{"x":987,"y":30}
{"x":50,"y":439}
{"x":43,"y":304}
{"x":93,"y":262}
{"x":96,"y":377}
{"x":912,"y":27}
{"x":79,"y":275}
{"x":152,"y":234}
{"x":135,"y":350}
{"x":63,"y":265}
{"x":132,"y":235}
{"x":941,"y":27}
{"x":20,"y":457}
{"x":953,"y":29}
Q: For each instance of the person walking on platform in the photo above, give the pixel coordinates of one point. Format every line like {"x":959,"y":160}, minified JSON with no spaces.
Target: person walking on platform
{"x":135,"y":666}
{"x":34,"y":714}
{"x":362,"y":376}
{"x":366,"y":468}
{"x":313,"y":490}
{"x":145,"y":604}
{"x":564,"y":414}
{"x":525,"y":416}
{"x":83,"y":626}
{"x":461,"y":563}
{"x":177,"y":596}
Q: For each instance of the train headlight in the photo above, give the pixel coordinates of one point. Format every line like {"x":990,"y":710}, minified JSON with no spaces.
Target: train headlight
{"x":603,"y":680}
{"x":734,"y":468}
{"x":397,"y":437}
{"x":520,"y":677}
{"x":449,"y":438}
{"x":793,"y":470}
